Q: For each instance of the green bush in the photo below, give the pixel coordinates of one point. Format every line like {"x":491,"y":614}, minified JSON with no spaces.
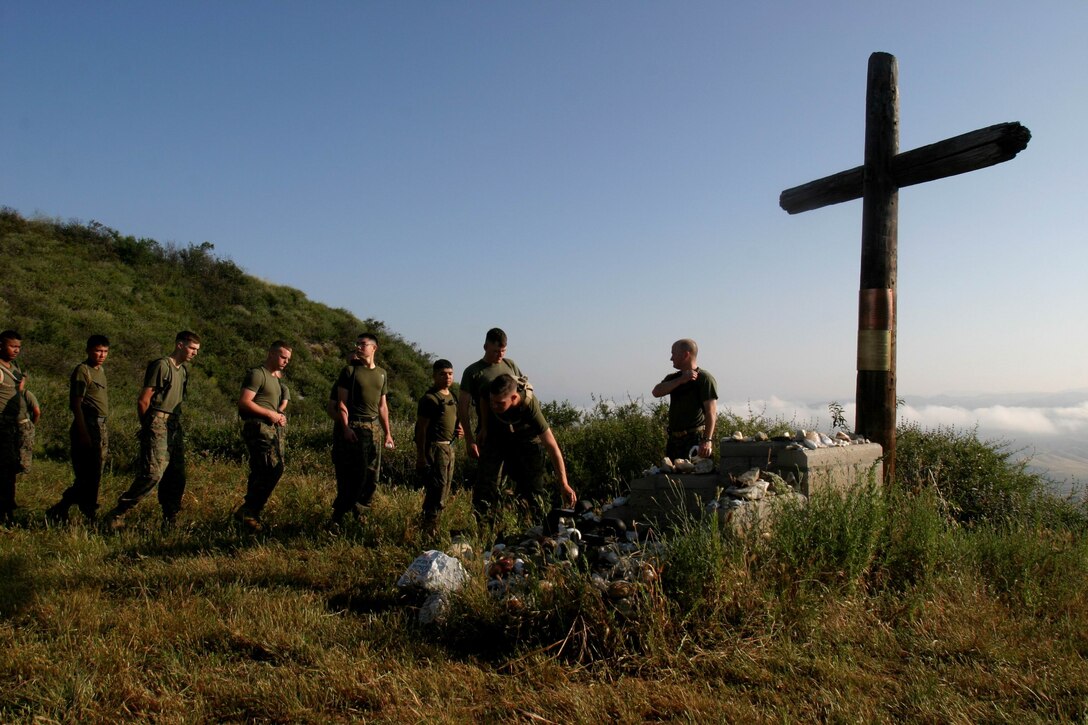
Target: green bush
{"x":611,"y":445}
{"x":830,"y":541}
{"x":1039,"y":570}
{"x":916,"y":540}
{"x":976,"y":481}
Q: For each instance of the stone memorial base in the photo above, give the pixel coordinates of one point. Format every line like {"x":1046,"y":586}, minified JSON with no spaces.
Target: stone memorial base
{"x":669,"y":498}
{"x":839,"y":467}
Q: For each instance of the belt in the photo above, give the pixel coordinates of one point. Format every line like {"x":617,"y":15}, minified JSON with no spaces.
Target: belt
{"x":689,"y":431}
{"x":440,"y":443}
{"x":361,"y":422}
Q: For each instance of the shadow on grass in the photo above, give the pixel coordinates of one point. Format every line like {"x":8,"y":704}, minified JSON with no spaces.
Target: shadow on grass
{"x":18,"y":587}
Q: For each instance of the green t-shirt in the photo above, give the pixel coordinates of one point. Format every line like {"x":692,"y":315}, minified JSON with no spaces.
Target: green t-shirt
{"x":365,"y":387}
{"x":521,"y":423}
{"x":12,"y":403}
{"x":686,"y":402}
{"x":89,"y":383}
{"x":169,"y":383}
{"x":268,"y":388}
{"x":441,"y":412}
{"x":478,"y":376}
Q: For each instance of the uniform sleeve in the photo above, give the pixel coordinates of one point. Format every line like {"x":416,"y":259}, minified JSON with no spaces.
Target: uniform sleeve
{"x":710,"y":388}
{"x":285,"y":392}
{"x":427,"y":408}
{"x":537,"y":422}
{"x":467,"y":380}
{"x":253,"y":381}
{"x":157,"y":375}
{"x":77,"y":384}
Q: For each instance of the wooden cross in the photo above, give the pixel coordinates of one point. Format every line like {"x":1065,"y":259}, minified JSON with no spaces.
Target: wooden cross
{"x":878,"y":182}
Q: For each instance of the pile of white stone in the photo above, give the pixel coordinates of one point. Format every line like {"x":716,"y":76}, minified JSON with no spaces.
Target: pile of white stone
{"x":809,"y":439}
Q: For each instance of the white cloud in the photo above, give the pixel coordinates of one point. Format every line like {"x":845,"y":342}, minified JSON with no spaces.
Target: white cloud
{"x":989,"y":419}
{"x":1019,"y":420}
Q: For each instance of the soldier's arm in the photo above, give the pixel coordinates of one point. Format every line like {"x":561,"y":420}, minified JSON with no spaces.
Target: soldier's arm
{"x":422,"y":424}
{"x":79,"y":422}
{"x":249,"y":409}
{"x":143,"y":403}
{"x":342,"y":411}
{"x":464,"y":417}
{"x":710,"y":411}
{"x":552,"y":447}
{"x":383,"y":415}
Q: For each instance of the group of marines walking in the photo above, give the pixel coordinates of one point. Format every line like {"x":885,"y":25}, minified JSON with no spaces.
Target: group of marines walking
{"x":510,"y":436}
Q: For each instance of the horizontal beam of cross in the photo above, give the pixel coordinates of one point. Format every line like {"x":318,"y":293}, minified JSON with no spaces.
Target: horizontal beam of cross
{"x":957,"y":155}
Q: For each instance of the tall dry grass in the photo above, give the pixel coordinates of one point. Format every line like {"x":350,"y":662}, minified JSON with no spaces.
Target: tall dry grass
{"x":873,"y":607}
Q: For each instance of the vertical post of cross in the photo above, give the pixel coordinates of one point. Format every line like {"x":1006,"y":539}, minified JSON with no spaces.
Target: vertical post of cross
{"x":876,"y":395}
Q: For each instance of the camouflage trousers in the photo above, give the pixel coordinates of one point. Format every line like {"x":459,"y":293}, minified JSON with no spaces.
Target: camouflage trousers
{"x":87,"y":462}
{"x":356,"y":467}
{"x":437,"y":478}
{"x":266,"y":444}
{"x":161,"y":463}
{"x":520,"y":461}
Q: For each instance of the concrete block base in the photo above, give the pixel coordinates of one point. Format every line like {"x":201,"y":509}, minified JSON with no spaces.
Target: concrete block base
{"x":840,"y":467}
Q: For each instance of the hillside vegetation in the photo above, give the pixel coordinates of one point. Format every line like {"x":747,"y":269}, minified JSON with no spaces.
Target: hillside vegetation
{"x":64,"y":281}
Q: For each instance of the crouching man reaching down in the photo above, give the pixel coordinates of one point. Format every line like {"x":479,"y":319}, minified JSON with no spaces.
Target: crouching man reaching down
{"x":518,"y":439}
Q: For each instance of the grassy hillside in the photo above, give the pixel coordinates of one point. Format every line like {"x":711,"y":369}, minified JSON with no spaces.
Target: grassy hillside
{"x":65,"y":280}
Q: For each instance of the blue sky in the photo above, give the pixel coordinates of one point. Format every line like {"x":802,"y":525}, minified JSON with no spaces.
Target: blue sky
{"x":597,"y":178}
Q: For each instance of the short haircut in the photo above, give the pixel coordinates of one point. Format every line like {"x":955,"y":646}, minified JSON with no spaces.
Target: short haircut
{"x":279,"y":345}
{"x":503,"y":386}
{"x":7,"y":335}
{"x":442,"y":364}
{"x":497,"y":336}
{"x":186,"y":336}
{"x":368,"y":336}
{"x":688,"y":345}
{"x":97,"y":341}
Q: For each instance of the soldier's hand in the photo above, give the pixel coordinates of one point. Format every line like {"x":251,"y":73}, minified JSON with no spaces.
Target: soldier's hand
{"x":473,"y":450}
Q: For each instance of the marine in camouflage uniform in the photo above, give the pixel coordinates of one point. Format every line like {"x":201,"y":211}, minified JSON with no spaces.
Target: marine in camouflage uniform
{"x":518,"y":440}
{"x":436,"y":430}
{"x":474,"y":392}
{"x":363,"y":414}
{"x":161,"y":461}
{"x":264,"y":429}
{"x":13,"y":420}
{"x":693,"y":403}
{"x":88,"y":400}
